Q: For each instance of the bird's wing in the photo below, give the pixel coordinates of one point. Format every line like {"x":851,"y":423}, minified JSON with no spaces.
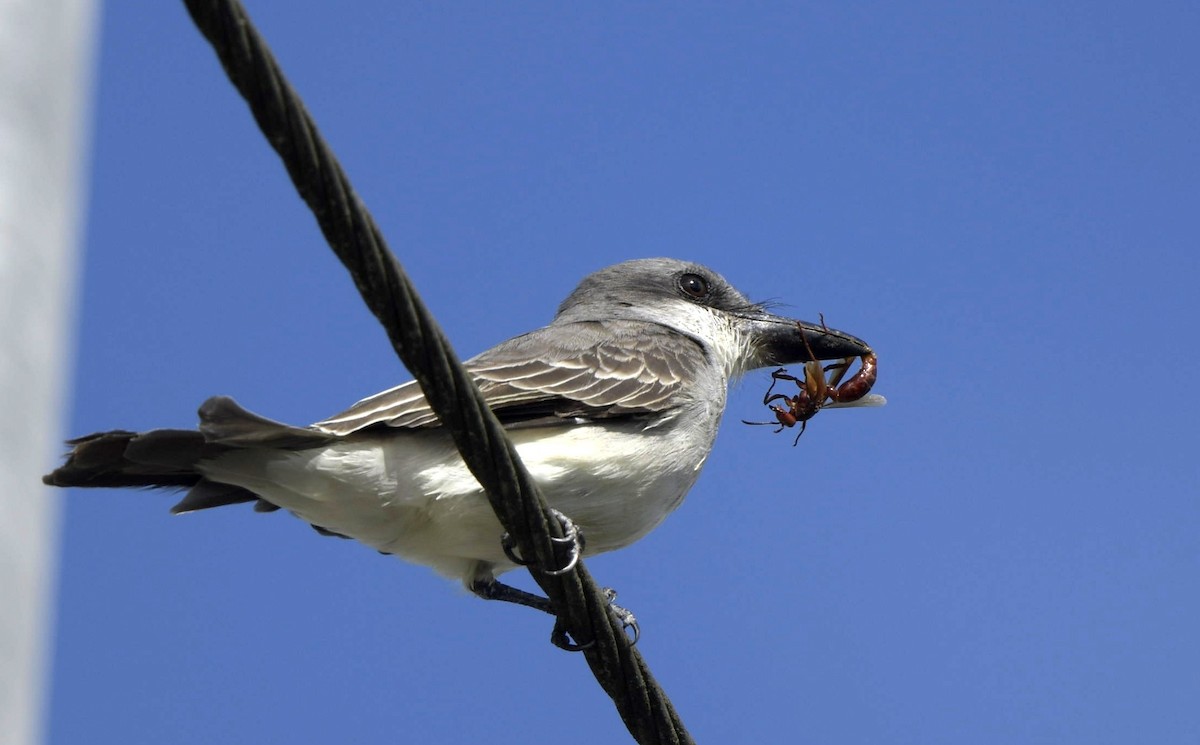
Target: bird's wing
{"x":590,"y":370}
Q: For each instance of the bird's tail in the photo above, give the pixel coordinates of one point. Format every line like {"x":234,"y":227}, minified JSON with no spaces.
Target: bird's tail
{"x":160,"y":457}
{"x":169,"y":458}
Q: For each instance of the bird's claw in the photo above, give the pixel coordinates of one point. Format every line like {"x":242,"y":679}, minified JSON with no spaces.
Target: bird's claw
{"x":624,"y":615}
{"x":573,"y":537}
{"x":561,"y":639}
{"x":509,"y":546}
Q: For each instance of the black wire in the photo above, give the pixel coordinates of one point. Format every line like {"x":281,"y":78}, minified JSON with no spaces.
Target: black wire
{"x":353,"y":235}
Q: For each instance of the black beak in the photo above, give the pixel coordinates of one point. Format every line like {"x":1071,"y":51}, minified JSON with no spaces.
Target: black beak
{"x":784,"y":341}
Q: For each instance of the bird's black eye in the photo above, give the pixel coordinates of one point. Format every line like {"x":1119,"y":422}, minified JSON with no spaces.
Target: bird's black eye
{"x":694,"y":286}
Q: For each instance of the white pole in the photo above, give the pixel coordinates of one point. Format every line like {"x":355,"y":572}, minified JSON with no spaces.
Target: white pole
{"x":45,"y":76}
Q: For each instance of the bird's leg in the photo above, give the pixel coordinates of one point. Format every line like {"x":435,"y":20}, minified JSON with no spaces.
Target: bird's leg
{"x":486,"y":586}
{"x":489,"y":588}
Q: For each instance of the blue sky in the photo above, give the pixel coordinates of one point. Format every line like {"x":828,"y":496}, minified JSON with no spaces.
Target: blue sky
{"x":1001,"y":198}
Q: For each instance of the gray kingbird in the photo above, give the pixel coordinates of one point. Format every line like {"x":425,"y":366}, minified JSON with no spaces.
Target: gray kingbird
{"x":613,"y":408}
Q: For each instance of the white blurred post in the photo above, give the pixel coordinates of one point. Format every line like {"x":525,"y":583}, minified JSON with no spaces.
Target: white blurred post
{"x":45,"y":77}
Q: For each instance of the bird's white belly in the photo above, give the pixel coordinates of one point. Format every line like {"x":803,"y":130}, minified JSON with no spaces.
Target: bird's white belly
{"x":410,"y":494}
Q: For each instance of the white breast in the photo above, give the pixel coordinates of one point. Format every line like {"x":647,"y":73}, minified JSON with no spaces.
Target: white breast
{"x":409,"y":493}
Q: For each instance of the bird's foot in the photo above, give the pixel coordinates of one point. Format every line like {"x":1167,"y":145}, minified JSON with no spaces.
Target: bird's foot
{"x":490,"y":589}
{"x":628,"y":621}
{"x":561,"y":639}
{"x":572,"y":539}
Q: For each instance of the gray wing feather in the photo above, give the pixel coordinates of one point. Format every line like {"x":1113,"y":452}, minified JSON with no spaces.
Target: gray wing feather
{"x":593,"y":370}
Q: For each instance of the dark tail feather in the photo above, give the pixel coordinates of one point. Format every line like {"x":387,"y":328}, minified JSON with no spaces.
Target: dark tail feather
{"x":161,"y":457}
{"x":168,"y":457}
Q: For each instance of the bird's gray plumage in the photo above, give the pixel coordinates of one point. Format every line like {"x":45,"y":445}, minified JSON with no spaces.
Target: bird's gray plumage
{"x":581,"y":370}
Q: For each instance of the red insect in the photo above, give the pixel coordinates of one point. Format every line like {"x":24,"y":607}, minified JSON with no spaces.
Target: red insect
{"x":801,"y":407}
{"x":857,"y":386}
{"x":816,"y":390}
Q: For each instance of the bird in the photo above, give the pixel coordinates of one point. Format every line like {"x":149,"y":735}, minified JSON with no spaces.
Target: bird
{"x":613,"y":407}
